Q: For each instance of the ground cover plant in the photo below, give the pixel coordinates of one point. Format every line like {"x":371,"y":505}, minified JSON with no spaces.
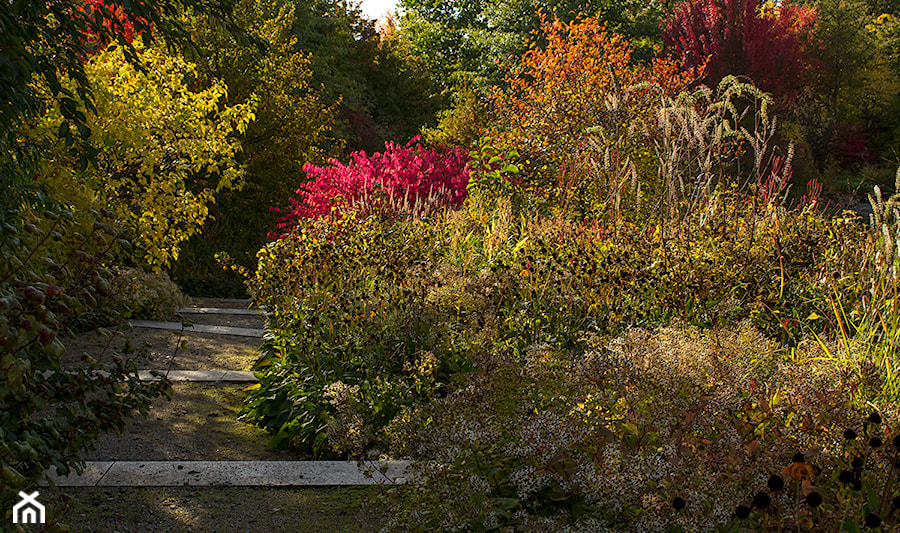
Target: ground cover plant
{"x":624,"y":327}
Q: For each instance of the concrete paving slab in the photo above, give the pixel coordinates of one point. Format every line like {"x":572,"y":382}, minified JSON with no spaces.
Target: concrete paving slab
{"x":92,"y":474}
{"x":238,"y":473}
{"x":201,"y":328}
{"x":239,"y":376}
{"x":202,"y":376}
{"x":218,"y":311}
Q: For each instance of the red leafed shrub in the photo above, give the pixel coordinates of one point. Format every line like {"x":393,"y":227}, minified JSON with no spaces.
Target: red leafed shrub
{"x":407,"y":180}
{"x":851,"y":145}
{"x":768,"y":43}
{"x":116,"y":20}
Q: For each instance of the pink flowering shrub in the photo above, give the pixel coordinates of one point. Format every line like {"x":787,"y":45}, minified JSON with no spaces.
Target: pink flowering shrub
{"x":408,"y":180}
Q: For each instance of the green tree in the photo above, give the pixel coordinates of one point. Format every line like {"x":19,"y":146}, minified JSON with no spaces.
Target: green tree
{"x":294,"y":125}
{"x":845,"y":52}
{"x":385,"y":92}
{"x":478,"y":40}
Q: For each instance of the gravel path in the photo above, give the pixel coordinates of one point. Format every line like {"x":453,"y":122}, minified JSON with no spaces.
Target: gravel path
{"x":199,"y":423}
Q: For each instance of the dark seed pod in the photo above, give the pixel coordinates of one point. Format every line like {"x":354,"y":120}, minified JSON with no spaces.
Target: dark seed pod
{"x":798,"y":458}
{"x":874,"y":418}
{"x":849,"y":434}
{"x":678,"y":503}
{"x":857,"y":462}
{"x":742,"y":512}
{"x":845,"y":477}
{"x":873,"y":520}
{"x":775,"y":483}
{"x":814,"y":499}
{"x":761,"y":500}
{"x":875,"y":442}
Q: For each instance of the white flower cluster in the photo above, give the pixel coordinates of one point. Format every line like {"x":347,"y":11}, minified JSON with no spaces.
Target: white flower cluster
{"x":339,"y":393}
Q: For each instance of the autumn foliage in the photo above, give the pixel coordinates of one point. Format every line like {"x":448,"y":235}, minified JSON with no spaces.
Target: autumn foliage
{"x":583,"y":78}
{"x":407,"y":179}
{"x":122,"y":25}
{"x":770,"y":44}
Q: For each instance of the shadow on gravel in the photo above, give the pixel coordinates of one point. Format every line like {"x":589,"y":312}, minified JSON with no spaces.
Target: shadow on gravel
{"x":199,"y":424}
{"x":213,"y":509}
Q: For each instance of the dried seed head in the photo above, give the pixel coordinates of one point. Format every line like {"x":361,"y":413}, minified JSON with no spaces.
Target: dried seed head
{"x":813,"y":499}
{"x":845,"y":476}
{"x":873,"y":520}
{"x":775,"y":483}
{"x":761,"y":500}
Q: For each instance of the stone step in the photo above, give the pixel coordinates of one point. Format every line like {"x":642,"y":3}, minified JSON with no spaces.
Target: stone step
{"x":182,"y":350}
{"x":201,"y":376}
{"x":233,"y":473}
{"x":200,"y":328}
{"x":219,"y":311}
{"x":214,"y":509}
{"x":189,"y":376}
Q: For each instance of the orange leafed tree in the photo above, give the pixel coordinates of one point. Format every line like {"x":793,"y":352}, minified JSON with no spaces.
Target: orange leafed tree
{"x":581,"y":79}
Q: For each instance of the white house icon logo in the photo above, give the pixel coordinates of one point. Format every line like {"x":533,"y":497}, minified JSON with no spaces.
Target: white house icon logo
{"x":28,"y":511}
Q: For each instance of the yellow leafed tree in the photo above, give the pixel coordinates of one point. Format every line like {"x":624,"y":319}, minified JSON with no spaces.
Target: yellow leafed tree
{"x":164,"y":149}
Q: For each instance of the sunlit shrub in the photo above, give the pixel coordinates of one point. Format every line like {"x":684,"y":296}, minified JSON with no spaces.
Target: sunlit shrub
{"x":139,"y":294}
{"x":770,"y":43}
{"x":162,"y":149}
{"x":562,"y":89}
{"x":409,"y":180}
{"x":607,"y":438}
{"x":344,"y":309}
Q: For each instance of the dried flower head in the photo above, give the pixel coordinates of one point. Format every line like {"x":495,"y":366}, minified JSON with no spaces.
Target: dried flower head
{"x":799,"y":470}
{"x":775,"y":483}
{"x":845,"y":477}
{"x":813,"y":499}
{"x":872,"y":520}
{"x":761,"y":500}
